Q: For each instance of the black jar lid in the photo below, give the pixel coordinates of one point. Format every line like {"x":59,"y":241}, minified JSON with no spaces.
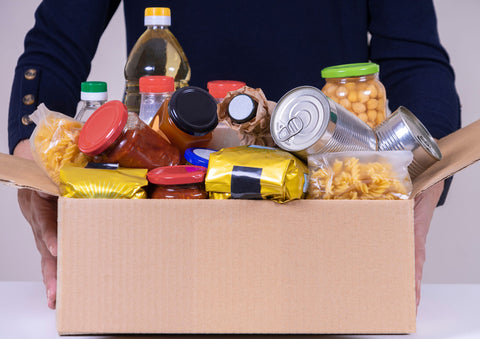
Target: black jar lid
{"x":193,"y":110}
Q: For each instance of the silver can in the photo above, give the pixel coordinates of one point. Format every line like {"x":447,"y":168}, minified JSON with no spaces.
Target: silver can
{"x":305,"y":121}
{"x":403,"y":131}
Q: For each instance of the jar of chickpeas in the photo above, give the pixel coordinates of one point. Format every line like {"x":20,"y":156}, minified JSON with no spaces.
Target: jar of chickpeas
{"x":357,"y":88}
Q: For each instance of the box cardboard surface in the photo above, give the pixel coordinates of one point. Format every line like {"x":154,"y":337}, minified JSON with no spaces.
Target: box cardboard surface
{"x":238,"y":266}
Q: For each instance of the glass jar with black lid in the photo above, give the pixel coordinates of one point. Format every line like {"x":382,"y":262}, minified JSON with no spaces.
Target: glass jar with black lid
{"x":188,"y":118}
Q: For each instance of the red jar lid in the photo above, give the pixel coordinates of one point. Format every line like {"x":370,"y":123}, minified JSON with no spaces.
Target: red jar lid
{"x":219,"y":88}
{"x":177,"y":175}
{"x":156,"y":84}
{"x":103,"y":127}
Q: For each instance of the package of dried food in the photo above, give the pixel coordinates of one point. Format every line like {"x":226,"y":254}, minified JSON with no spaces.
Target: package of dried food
{"x":362,"y":175}
{"x":255,"y":172}
{"x":120,"y":183}
{"x":54,"y":141}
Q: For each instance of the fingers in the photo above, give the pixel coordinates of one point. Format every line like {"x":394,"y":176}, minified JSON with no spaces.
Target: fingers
{"x":40,"y":210}
{"x":49,"y":237}
{"x":49,"y":272}
{"x":425,"y":205}
{"x":419,"y":261}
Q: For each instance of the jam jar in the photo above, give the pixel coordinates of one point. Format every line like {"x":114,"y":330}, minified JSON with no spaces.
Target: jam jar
{"x":357,"y":88}
{"x":188,"y":118}
{"x":113,"y":135}
{"x":177,"y":182}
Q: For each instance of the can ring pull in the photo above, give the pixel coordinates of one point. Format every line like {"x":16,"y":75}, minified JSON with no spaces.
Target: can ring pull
{"x":293,"y":127}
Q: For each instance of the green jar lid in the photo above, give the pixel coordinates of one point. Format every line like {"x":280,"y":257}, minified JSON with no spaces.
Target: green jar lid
{"x":350,"y":70}
{"x":94,"y":86}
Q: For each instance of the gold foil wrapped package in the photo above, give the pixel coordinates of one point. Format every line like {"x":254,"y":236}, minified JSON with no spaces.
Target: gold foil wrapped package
{"x":121,"y":183}
{"x":255,"y":172}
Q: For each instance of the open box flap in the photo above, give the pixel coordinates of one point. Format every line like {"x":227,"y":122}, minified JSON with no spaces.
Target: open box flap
{"x":24,"y":173}
{"x":459,"y":150}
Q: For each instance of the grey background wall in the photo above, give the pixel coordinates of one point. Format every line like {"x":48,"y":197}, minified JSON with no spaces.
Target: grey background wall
{"x":453,"y":254}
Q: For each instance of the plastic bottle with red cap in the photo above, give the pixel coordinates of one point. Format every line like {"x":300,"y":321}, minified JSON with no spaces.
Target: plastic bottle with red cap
{"x":223,"y":136}
{"x":154,"y":90}
{"x":177,"y":182}
{"x":113,"y":135}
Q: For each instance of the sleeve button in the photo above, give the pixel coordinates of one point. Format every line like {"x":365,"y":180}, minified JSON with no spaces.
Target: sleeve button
{"x":28,"y":99}
{"x":30,"y":73}
{"x":26,"y":120}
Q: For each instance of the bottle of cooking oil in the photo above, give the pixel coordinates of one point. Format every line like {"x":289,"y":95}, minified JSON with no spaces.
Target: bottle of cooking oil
{"x":156,"y":52}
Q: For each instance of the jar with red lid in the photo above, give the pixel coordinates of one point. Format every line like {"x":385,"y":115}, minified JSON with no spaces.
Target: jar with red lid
{"x":177,"y":182}
{"x":113,"y":135}
{"x":188,"y":118}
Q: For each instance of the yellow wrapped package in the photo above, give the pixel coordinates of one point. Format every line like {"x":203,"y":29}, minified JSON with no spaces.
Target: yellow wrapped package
{"x":255,"y":172}
{"x":121,"y":183}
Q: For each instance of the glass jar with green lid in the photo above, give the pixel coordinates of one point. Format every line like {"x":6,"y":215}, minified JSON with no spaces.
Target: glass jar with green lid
{"x":357,"y":88}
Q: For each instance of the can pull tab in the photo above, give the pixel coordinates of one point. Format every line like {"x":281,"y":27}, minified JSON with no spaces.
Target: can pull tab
{"x":293,"y":127}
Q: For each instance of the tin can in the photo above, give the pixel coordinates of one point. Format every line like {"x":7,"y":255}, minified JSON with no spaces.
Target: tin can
{"x":305,"y":121}
{"x":403,"y":131}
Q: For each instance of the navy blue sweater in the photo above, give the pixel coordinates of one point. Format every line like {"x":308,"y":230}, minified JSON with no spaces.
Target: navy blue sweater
{"x":275,"y":45}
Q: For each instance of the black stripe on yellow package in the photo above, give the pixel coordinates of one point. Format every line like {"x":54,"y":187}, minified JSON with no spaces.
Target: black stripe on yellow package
{"x":121,"y":183}
{"x":256,"y":172}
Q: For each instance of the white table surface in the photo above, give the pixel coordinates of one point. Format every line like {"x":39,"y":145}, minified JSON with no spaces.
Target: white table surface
{"x":446,"y":311}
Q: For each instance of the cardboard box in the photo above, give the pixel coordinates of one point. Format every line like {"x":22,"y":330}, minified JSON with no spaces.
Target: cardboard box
{"x":238,"y":266}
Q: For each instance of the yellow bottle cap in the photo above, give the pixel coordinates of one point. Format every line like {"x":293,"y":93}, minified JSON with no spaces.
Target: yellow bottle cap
{"x":157,"y":11}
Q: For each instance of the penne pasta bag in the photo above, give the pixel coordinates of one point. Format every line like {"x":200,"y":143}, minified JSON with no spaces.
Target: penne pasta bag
{"x":54,"y":142}
{"x":360,"y":175}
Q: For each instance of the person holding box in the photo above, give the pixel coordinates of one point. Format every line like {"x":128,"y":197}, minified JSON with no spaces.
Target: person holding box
{"x":273,"y":45}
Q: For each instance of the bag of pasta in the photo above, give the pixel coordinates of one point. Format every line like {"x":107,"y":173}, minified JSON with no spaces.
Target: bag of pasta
{"x":361,"y":175}
{"x":54,"y":141}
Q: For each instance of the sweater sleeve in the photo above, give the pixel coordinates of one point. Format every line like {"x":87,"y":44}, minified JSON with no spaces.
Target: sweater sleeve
{"x":57,"y":57}
{"x":414,"y":67}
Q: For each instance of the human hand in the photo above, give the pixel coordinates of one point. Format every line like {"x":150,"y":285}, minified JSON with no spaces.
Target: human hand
{"x":40,"y":210}
{"x":425,"y":204}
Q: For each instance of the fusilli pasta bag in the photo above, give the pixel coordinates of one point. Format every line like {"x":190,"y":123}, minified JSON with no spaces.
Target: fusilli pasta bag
{"x":364,"y":175}
{"x":54,"y":142}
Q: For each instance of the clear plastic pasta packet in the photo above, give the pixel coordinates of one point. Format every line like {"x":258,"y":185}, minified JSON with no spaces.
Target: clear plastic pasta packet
{"x":360,"y":175}
{"x":54,"y":142}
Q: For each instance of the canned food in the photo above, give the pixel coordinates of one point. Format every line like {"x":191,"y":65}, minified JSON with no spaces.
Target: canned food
{"x":403,"y":131}
{"x":305,"y":121}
